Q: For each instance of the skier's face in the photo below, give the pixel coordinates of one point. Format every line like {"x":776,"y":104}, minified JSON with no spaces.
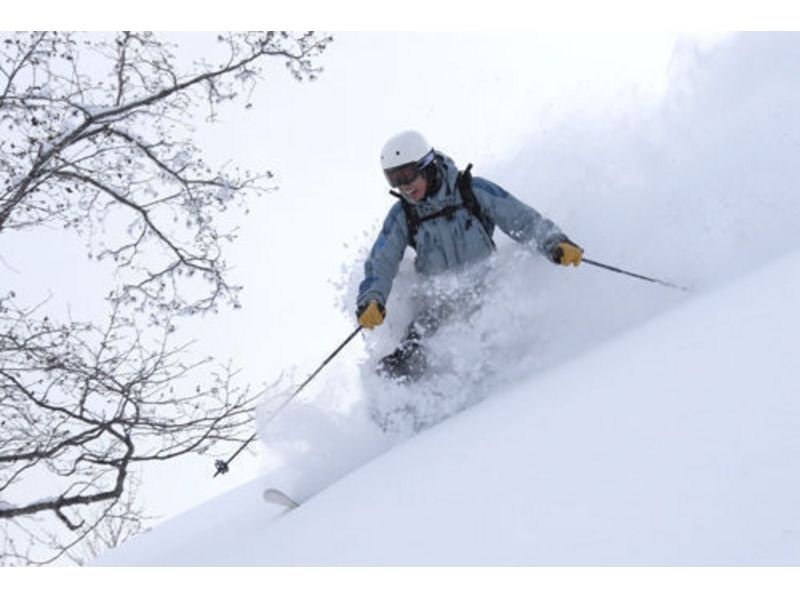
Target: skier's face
{"x":416,"y":189}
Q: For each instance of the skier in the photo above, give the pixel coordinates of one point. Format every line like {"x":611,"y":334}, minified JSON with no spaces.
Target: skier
{"x":448,"y":218}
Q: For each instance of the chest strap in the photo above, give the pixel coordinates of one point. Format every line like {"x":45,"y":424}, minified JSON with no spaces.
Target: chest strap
{"x":470,"y":203}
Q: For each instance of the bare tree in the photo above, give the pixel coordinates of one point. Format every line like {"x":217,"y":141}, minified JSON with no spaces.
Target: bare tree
{"x":96,"y":136}
{"x":114,"y":152}
{"x":83,"y":406}
{"x":126,"y":519}
{"x":108,"y":525}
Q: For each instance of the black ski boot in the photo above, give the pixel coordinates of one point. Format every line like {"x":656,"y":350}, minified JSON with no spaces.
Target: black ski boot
{"x":406,"y":364}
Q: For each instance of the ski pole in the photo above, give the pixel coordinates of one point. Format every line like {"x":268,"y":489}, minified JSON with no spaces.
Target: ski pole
{"x":655,"y":280}
{"x":223,"y":466}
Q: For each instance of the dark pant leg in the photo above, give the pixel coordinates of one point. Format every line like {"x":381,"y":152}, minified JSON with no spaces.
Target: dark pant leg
{"x":408,"y":362}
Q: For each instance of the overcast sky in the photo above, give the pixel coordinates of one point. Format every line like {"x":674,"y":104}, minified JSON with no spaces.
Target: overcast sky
{"x":477,"y":97}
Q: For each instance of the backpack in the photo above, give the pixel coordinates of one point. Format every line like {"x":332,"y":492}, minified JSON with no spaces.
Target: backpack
{"x":470,"y":203}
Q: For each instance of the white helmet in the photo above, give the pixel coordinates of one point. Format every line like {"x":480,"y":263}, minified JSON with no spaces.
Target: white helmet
{"x":405,"y":151}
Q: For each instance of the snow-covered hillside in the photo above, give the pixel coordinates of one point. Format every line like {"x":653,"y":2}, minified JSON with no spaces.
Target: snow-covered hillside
{"x":674,"y":443}
{"x":587,"y":418}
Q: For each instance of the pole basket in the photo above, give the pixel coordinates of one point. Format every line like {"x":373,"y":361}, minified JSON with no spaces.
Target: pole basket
{"x":222,"y":466}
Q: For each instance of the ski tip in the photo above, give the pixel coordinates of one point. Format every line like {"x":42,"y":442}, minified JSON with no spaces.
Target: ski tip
{"x":276,"y":497}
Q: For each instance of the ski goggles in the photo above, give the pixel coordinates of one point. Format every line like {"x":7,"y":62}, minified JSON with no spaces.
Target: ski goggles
{"x":407,"y":173}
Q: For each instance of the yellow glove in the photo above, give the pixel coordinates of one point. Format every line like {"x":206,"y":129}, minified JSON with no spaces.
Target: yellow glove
{"x":371,"y":314}
{"x":567,"y":254}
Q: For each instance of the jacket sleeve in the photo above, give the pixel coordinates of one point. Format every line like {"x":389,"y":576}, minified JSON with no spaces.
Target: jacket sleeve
{"x":384,"y":259}
{"x":516,"y":219}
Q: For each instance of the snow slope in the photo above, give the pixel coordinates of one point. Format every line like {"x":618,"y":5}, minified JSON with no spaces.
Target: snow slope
{"x":611,"y":421}
{"x":673,"y":443}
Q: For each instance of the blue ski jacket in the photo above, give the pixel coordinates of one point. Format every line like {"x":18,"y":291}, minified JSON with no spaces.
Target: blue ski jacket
{"x":449,"y":243}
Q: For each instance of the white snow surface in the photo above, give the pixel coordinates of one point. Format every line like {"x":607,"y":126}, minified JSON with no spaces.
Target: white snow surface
{"x":580,"y":417}
{"x":673,"y":444}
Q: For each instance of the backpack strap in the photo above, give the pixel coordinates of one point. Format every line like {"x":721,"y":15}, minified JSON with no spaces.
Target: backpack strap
{"x":412,"y":220}
{"x":464,"y":184}
{"x":470,"y":202}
